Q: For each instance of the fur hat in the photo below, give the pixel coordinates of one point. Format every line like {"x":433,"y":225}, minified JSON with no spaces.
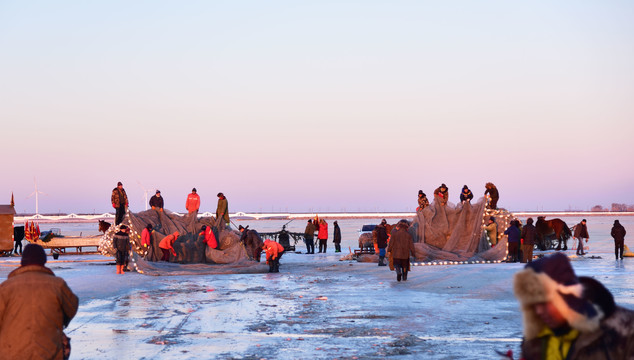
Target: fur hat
{"x":552,"y":279}
{"x":33,"y":254}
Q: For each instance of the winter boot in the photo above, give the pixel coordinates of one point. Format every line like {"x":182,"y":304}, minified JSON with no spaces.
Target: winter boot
{"x":381,"y":261}
{"x":398,"y":274}
{"x":404,"y":275}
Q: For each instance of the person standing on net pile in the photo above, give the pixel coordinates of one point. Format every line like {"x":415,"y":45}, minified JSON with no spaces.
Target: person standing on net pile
{"x":274,"y":252}
{"x":581,"y":232}
{"x":156,"y":201}
{"x":514,"y":234}
{"x":492,"y":231}
{"x":222,"y":210}
{"x":309,"y":235}
{"x":193,"y":202}
{"x":322,"y":235}
{"x":527,"y":239}
{"x":121,"y":243}
{"x":618,"y":233}
{"x":119,"y":200}
{"x":422,"y":201}
{"x":401,"y":246}
{"x":441,"y":194}
{"x":336,"y":237}
{"x":35,"y":307}
{"x":465,"y":194}
{"x":492,"y":192}
{"x":381,"y":241}
{"x":570,"y":317}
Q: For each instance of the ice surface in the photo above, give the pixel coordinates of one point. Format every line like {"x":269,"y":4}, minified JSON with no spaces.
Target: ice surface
{"x":441,"y":312}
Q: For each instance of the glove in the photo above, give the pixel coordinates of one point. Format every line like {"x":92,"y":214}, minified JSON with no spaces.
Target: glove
{"x":114,"y":206}
{"x":145,"y":245}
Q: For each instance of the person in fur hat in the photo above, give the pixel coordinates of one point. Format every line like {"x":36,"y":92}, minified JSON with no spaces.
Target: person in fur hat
{"x":570,"y":317}
{"x":492,"y":192}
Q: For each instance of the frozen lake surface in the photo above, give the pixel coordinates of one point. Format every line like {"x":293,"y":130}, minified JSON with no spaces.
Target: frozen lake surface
{"x":317,"y":307}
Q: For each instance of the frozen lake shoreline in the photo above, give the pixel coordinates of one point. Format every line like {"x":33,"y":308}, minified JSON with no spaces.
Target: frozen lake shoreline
{"x":317,"y":307}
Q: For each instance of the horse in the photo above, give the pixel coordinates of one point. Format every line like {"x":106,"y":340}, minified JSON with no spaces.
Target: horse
{"x":104,"y":226}
{"x":556,"y":227}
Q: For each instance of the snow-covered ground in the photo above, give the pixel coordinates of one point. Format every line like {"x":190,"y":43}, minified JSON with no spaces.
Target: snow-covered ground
{"x":317,"y":307}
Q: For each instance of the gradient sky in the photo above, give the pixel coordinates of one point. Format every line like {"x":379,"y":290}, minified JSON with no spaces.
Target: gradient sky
{"x":316,"y":106}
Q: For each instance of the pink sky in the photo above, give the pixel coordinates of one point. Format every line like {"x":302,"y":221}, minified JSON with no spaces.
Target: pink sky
{"x":317,"y":107}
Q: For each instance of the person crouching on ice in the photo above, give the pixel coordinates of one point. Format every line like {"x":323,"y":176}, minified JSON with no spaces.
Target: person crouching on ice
{"x":167,"y":244}
{"x":570,"y":317}
{"x":274,"y":252}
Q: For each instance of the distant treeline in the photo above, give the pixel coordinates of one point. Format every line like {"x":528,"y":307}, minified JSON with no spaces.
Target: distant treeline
{"x":614,"y":207}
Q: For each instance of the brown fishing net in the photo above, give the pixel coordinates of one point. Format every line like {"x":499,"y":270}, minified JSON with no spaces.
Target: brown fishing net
{"x":455,"y":232}
{"x":193,"y":256}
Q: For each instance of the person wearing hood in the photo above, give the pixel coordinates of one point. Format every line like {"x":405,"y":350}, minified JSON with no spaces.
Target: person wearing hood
{"x":274,"y":252}
{"x":167,"y":244}
{"x":527,"y":238}
{"x":336,"y":237}
{"x":441,"y":194}
{"x":493,"y":194}
{"x":207,"y":236}
{"x":423,"y":202}
{"x":570,"y":317}
{"x":35,"y":307}
{"x":618,"y":234}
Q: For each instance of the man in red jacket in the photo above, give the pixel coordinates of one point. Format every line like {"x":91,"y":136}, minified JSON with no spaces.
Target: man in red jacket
{"x":193,"y":202}
{"x":274,"y":252}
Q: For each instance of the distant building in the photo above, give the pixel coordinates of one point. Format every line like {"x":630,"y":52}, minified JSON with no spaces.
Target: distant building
{"x":7,"y":212}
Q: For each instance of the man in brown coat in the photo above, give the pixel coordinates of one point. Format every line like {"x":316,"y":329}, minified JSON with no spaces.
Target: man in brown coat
{"x":401,"y":246}
{"x":35,"y":306}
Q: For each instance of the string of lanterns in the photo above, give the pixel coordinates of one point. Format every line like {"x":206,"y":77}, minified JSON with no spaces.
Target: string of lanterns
{"x":503,"y":215}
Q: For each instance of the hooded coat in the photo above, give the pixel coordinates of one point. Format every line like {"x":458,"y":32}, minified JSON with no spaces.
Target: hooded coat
{"x":606,"y":331}
{"x":618,"y":232}
{"x":35,"y":306}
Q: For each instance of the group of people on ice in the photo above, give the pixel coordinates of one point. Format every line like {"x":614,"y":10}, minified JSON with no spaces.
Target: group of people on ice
{"x":441,"y":195}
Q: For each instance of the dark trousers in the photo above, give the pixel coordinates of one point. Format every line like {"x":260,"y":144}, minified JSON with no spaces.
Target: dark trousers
{"x":337,"y":247}
{"x":322,"y":244}
{"x":166,"y":255}
{"x":274,"y":264}
{"x":580,"y":247}
{"x":310,"y":245}
{"x":118,"y":217}
{"x":513,"y":249}
{"x":618,"y":248}
{"x":18,"y":244}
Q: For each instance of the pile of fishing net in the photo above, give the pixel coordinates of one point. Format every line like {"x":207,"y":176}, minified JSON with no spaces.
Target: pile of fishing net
{"x":455,"y":232}
{"x":193,"y":256}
